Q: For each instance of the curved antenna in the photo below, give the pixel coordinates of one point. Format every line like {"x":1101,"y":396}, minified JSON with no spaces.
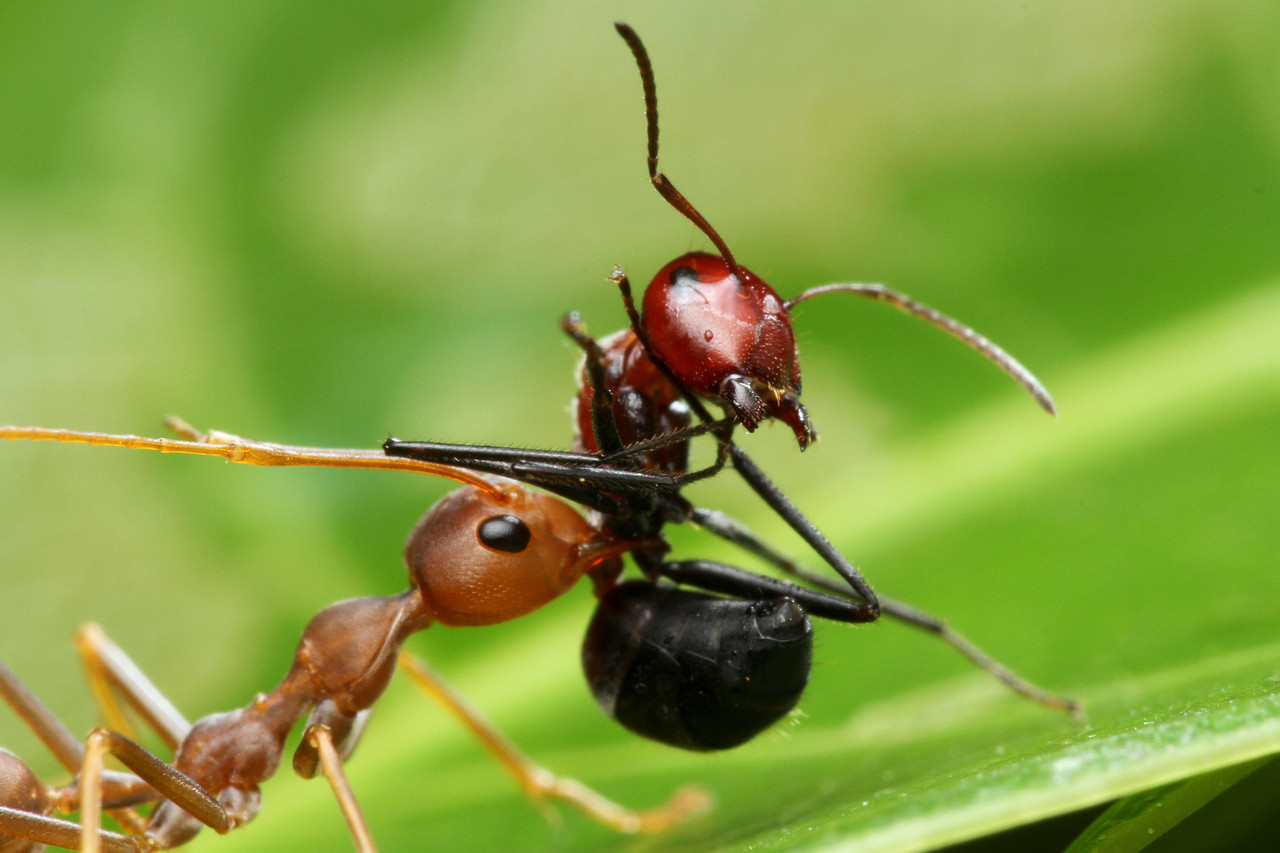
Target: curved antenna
{"x":249,"y":452}
{"x":660,"y":181}
{"x":957,"y":330}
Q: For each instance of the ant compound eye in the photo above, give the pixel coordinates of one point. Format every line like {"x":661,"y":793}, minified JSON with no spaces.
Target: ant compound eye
{"x":504,"y":533}
{"x":683,"y":276}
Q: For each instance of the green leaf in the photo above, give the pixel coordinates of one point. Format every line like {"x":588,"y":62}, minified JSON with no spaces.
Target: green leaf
{"x":319,"y":224}
{"x":1136,"y":821}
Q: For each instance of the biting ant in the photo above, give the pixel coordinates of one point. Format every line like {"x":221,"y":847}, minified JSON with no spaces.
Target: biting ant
{"x":710,"y":329}
{"x":493,"y":551}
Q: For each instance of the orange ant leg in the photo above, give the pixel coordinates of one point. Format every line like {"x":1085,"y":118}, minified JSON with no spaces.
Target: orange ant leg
{"x":539,"y":783}
{"x":173,"y":785}
{"x":110,"y":672}
{"x":27,"y":806}
{"x":320,"y":738}
{"x":247,"y":451}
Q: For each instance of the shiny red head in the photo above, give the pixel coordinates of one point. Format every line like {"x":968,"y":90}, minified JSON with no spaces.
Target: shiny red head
{"x":727,"y":336}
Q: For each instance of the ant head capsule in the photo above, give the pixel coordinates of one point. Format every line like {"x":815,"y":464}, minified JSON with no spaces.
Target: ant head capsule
{"x":481,"y":557}
{"x":692,"y":670}
{"x":727,"y":336}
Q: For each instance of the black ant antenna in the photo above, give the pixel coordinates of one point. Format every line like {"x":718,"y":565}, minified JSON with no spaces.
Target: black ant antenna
{"x":660,"y":181}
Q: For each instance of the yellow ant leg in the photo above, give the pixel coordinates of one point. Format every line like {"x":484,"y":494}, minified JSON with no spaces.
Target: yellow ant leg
{"x":539,"y":783}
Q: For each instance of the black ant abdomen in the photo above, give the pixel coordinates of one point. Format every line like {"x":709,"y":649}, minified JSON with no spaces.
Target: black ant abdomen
{"x":696,"y":671}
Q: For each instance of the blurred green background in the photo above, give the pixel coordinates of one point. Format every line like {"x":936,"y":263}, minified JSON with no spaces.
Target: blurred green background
{"x":323,"y":224}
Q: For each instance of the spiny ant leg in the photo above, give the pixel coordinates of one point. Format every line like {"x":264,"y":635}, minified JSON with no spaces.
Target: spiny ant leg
{"x":604,"y":426}
{"x":991,"y":350}
{"x":732,"y":530}
{"x":613,"y":450}
{"x":539,"y":783}
{"x":740,"y":583}
{"x":619,"y":278}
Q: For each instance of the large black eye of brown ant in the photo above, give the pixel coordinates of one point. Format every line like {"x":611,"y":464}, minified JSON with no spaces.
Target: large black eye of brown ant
{"x":504,"y":533}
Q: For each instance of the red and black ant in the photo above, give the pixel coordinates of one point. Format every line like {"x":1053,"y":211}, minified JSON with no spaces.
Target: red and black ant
{"x":710,"y":329}
{"x":683,"y":667}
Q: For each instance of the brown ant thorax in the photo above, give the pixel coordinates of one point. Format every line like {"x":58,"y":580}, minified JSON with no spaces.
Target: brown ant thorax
{"x":729,"y":337}
{"x":645,"y":404}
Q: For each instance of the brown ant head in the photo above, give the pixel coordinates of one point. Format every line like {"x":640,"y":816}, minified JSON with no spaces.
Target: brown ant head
{"x":480,"y":557}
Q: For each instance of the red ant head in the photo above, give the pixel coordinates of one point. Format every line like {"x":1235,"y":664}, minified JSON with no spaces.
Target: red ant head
{"x":727,"y":336}
{"x":721,"y":331}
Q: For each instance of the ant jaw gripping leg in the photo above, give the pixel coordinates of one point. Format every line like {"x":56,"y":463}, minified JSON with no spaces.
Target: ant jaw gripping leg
{"x":740,"y":394}
{"x":540,"y":784}
{"x":792,"y":412}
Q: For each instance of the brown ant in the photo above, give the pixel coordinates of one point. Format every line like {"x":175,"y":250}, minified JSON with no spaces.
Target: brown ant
{"x":486,"y":553}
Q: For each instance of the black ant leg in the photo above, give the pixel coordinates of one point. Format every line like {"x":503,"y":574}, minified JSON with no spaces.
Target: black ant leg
{"x":740,"y":583}
{"x":783,"y":506}
{"x":582,"y":478}
{"x":579,"y":477}
{"x":732,"y":530}
{"x":928,"y":622}
{"x":603,"y":424}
